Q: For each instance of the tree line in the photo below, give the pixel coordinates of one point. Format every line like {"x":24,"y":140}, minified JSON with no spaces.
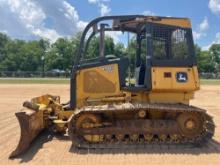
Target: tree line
{"x":21,"y":55}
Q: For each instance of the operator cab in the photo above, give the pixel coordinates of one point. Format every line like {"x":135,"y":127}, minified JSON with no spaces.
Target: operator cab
{"x":165,"y":46}
{"x":161,"y":42}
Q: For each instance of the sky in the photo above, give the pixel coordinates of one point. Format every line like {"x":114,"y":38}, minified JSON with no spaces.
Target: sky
{"x":51,"y":19}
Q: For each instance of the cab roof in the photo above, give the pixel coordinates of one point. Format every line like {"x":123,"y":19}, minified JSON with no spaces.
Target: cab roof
{"x":132,"y":23}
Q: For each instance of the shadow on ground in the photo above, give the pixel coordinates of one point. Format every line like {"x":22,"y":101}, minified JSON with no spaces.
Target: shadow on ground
{"x":35,"y":146}
{"x":212,"y":146}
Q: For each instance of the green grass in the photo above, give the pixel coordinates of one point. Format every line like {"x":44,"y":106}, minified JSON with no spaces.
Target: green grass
{"x":66,"y":81}
{"x":210,"y":81}
{"x":34,"y":80}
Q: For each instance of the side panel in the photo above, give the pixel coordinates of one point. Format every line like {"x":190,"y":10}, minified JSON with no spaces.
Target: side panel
{"x":97,"y":82}
{"x":176,"y":79}
{"x":168,"y":97}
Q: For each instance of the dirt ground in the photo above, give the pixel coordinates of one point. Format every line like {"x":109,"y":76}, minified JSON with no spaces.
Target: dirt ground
{"x":57,"y":150}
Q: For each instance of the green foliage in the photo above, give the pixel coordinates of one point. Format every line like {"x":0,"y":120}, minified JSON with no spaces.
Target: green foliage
{"x":110,"y":48}
{"x":215,"y":52}
{"x":131,"y":53}
{"x":208,"y":61}
{"x":4,"y":40}
{"x":93,"y":49}
{"x":119,"y":50}
{"x":205,"y":62}
{"x":60,"y":55}
{"x":19,"y":55}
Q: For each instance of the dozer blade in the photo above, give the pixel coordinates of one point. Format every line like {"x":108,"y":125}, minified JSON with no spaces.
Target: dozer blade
{"x":31,"y":123}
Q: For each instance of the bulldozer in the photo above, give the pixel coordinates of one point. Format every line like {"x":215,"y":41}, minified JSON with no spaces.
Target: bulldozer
{"x":107,"y":109}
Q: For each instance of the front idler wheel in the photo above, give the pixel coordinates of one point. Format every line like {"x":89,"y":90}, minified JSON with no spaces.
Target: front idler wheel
{"x":89,"y":121}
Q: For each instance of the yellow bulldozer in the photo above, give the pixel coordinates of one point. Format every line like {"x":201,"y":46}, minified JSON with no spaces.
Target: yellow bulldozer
{"x":108,"y":111}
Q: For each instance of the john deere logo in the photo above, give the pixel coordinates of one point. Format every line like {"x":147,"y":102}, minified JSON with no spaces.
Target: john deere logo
{"x":181,"y":77}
